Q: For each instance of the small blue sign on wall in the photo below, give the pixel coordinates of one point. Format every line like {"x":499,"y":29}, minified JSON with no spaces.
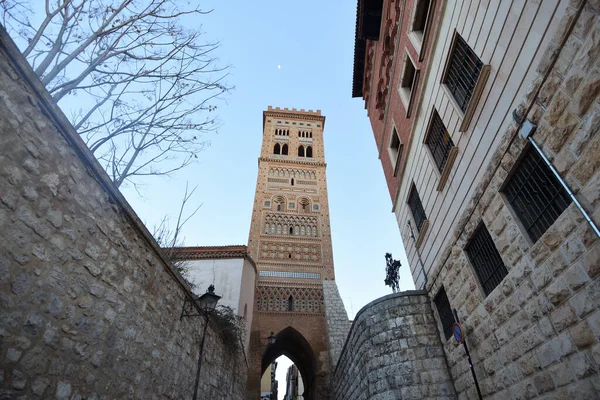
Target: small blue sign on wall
{"x":458,"y":333}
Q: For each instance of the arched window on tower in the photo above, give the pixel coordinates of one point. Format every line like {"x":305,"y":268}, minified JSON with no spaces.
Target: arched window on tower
{"x":290,"y":303}
{"x":300,"y":151}
{"x":309,"y":151}
{"x":292,"y":181}
{"x":284,"y":150}
{"x":278,"y":207}
{"x":277,"y":149}
{"x":291,"y":230}
{"x":310,"y":135}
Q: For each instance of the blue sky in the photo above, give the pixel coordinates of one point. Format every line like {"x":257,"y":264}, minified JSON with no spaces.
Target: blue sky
{"x":313,"y":42}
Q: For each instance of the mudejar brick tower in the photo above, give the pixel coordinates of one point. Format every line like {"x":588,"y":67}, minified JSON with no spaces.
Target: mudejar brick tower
{"x":290,"y":241}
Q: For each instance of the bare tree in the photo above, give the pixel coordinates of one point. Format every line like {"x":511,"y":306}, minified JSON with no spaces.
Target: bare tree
{"x":144,"y":84}
{"x":169,"y":238}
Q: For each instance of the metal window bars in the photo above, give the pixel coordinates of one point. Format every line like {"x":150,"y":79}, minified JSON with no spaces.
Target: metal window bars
{"x":439,"y":141}
{"x":445,"y":311}
{"x":486,"y":260}
{"x":535,"y":195}
{"x":463,"y":71}
{"x":416,"y":207}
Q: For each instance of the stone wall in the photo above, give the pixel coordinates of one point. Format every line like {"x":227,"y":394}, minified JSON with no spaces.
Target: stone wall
{"x":89,"y":308}
{"x":393,"y":351}
{"x":537,"y":334}
{"x":338,"y":324}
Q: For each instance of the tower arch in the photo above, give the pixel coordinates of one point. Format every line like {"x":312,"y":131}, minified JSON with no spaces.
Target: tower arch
{"x":292,"y":344}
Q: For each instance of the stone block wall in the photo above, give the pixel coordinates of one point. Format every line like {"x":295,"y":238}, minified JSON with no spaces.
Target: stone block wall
{"x":338,"y":324}
{"x":537,"y":335}
{"x":393,"y":351}
{"x":89,"y":308}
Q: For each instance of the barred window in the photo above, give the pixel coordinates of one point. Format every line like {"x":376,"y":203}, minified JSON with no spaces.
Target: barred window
{"x":416,"y":207}
{"x":438,"y":140}
{"x":462,"y":72}
{"x":445,"y":311}
{"x":536,"y":196}
{"x":486,"y":260}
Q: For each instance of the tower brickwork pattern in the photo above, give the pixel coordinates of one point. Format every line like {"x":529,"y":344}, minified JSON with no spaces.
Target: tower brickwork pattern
{"x":290,"y":239}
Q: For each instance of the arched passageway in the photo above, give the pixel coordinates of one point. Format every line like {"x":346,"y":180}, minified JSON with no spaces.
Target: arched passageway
{"x":290,"y":343}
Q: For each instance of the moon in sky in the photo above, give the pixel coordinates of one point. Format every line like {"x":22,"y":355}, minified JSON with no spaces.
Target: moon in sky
{"x":279,"y":67}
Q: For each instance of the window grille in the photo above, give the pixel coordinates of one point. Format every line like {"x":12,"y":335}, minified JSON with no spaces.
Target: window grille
{"x":486,"y":260}
{"x":445,"y":311}
{"x":535,"y":195}
{"x":462,"y":72}
{"x":416,"y":207}
{"x":439,"y":142}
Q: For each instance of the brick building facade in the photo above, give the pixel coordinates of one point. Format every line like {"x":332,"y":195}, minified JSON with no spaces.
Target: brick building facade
{"x":495,"y":235}
{"x":290,"y":241}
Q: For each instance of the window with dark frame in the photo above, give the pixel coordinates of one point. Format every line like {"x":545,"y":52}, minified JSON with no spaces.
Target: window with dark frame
{"x":395,"y":147}
{"x":535,"y":195}
{"x":408,"y":77}
{"x":439,"y":141}
{"x":416,"y":208}
{"x":445,"y":312}
{"x":462,"y":72}
{"x":486,"y":260}
{"x":420,"y":18}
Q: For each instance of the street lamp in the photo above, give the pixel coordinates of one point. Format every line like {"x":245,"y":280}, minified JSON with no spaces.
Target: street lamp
{"x":207,"y":302}
{"x":272,"y":339}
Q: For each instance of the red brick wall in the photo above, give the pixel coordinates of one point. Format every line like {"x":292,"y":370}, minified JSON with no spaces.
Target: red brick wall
{"x":396,"y":112}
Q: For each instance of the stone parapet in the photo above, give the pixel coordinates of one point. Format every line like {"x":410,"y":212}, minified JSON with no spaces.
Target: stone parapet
{"x":393,"y":351}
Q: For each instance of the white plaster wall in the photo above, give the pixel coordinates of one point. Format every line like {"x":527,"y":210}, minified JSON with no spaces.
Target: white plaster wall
{"x":226,"y":275}
{"x":247,"y":296}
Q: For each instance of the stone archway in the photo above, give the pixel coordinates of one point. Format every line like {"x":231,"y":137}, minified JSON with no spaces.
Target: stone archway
{"x":293,"y":345}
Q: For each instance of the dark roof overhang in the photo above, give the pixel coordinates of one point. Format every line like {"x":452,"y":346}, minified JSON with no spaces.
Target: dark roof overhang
{"x":368,"y":25}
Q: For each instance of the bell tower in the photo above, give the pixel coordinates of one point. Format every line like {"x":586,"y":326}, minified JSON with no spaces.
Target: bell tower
{"x":290,"y":241}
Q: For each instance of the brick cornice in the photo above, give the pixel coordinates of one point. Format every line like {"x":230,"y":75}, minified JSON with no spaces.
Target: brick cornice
{"x":315,"y":163}
{"x":212,"y":252}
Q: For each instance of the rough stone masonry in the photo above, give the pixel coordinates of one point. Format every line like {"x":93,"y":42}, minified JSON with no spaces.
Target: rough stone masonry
{"x":89,"y":308}
{"x":393,"y":351}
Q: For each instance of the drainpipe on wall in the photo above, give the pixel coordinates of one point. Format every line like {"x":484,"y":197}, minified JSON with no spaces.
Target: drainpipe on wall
{"x":526,"y":131}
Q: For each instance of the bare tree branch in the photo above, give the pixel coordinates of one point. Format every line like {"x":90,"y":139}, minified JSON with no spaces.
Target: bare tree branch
{"x":145,"y":84}
{"x":168,"y":239}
